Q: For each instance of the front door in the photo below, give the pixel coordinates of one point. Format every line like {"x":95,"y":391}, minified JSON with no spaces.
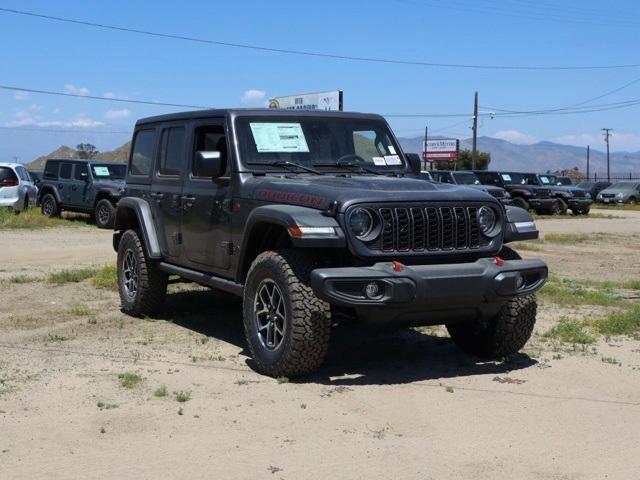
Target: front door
{"x":65,"y":183}
{"x":166,"y":189}
{"x":81,"y":186}
{"x":206,"y":220}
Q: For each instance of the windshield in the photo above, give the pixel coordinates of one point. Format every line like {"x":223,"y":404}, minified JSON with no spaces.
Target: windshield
{"x":109,"y":172}
{"x":623,"y":186}
{"x":564,"y":181}
{"x":466,"y":178}
{"x":317,"y":142}
{"x":548,"y":179}
{"x":519,"y":178}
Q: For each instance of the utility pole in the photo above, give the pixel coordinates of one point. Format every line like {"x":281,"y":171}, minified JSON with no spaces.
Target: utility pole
{"x":588,"y":163}
{"x":474,"y":149}
{"x":606,"y":140}
{"x":424,"y":153}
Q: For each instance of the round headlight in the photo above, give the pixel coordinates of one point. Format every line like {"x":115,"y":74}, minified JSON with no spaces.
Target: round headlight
{"x":361,"y":222}
{"x":487,"y":220}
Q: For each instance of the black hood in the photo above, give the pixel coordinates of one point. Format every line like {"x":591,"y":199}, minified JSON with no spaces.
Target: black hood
{"x":320,"y":191}
{"x":109,"y":184}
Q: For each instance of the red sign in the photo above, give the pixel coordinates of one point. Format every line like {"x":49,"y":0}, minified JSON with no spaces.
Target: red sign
{"x":441,"y":150}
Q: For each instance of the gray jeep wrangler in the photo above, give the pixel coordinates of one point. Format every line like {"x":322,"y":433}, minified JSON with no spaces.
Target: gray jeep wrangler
{"x":316,"y":218}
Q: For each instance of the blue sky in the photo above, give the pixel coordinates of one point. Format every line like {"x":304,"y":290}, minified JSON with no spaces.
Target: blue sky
{"x":47,"y":55}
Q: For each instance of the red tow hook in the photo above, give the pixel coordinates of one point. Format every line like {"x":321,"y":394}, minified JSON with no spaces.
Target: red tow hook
{"x":397,"y":266}
{"x":499,"y":261}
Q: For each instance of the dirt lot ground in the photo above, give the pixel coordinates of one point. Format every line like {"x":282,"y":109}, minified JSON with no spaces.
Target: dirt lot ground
{"x":386,"y":404}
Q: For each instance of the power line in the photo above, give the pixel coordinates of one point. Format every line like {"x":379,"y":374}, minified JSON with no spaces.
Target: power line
{"x":66,"y":130}
{"x":93,"y":97}
{"x":309,"y":53}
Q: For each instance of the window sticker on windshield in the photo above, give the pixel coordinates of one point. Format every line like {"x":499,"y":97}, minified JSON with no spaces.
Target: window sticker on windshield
{"x":379,"y":161}
{"x":392,"y":160}
{"x":279,"y":137}
{"x":506,"y":178}
{"x":544,"y":180}
{"x":101,"y":171}
{"x":392,"y":150}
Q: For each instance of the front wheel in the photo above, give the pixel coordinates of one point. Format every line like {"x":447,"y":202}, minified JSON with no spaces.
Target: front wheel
{"x":500,"y":336}
{"x":141,"y":284}
{"x":560,"y":207}
{"x":49,"y":206}
{"x":104,"y":214}
{"x":287,"y":327}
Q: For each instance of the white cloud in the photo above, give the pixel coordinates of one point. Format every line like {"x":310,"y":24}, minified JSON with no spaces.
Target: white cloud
{"x":20,"y":95}
{"x":76,"y":91}
{"x":253,"y":96}
{"x":35,"y":107}
{"x":619,"y":141}
{"x":514,"y":136}
{"x":56,"y":110}
{"x":25,"y":118}
{"x":117,"y":114}
{"x":109,"y":95}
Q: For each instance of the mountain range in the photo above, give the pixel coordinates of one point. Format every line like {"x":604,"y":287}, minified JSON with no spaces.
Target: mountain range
{"x":538,"y":157}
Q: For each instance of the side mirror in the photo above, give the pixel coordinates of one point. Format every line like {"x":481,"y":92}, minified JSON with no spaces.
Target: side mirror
{"x":209,"y":164}
{"x":84,"y":176}
{"x":413,"y":159}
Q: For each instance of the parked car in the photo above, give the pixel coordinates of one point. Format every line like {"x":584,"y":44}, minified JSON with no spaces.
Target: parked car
{"x":576,"y":199}
{"x":523,"y":188}
{"x":17,"y":191}
{"x":594,"y":188}
{"x":621,"y":193}
{"x":86,"y":186}
{"x":315,"y":217}
{"x":471,"y":180}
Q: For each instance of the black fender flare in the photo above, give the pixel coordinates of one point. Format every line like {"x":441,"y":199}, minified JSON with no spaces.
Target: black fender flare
{"x":48,"y":188}
{"x":519,"y":225}
{"x":286,"y":216}
{"x":140,"y":208}
{"x":104,"y":193}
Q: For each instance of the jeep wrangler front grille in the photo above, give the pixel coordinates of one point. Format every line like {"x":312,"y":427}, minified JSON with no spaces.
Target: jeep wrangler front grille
{"x":428,"y":229}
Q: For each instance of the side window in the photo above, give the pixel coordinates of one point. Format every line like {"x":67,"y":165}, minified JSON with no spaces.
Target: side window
{"x":142,"y":152}
{"x":209,"y":138}
{"x":171,"y":151}
{"x":21,"y":173}
{"x":65,"y":170}
{"x":367,"y":144}
{"x":51,"y":170}
{"x":81,"y":172}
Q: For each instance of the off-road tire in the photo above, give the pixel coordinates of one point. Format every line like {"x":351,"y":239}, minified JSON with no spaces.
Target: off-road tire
{"x":49,"y":206}
{"x":104,"y":214}
{"x":307,"y":325}
{"x":503,"y":335}
{"x":151,"y":281}
{"x":520,"y":202}
{"x":581,"y":211}
{"x":633,"y":201}
{"x":561,"y":207}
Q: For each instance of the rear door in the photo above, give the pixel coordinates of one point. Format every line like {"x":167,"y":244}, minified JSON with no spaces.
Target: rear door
{"x":166,"y":190}
{"x":206,"y":220}
{"x":65,"y":183}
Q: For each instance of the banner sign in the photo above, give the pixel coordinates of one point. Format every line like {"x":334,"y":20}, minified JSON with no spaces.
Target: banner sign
{"x":329,"y":101}
{"x":441,"y":150}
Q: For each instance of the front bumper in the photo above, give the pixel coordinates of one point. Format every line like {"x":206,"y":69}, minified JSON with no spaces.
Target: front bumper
{"x":579,"y":203}
{"x":542,"y":204}
{"x":453,"y":290}
{"x":611,"y":201}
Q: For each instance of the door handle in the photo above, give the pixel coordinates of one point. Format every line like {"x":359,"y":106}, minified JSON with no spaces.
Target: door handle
{"x":74,"y":188}
{"x":156,"y":196}
{"x":187,"y":201}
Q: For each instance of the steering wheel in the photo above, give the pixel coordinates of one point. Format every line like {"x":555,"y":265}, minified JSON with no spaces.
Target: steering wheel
{"x":354,"y":156}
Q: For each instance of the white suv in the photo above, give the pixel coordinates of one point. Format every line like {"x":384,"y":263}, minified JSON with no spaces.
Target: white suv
{"x":17,"y":190}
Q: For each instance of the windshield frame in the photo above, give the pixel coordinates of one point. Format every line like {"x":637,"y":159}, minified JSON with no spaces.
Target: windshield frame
{"x":457,"y":175}
{"x":241,"y":127}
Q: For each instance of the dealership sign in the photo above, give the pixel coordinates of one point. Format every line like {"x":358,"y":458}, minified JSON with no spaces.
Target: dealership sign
{"x":330,"y":101}
{"x":441,"y":150}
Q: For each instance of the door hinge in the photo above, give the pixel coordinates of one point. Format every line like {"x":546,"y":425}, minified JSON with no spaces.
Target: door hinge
{"x":228,"y":246}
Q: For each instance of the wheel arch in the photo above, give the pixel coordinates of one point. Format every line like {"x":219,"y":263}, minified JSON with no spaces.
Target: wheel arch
{"x":45,"y":189}
{"x":135,"y":214}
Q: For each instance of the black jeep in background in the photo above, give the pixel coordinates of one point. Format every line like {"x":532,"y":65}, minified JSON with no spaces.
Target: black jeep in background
{"x":316,"y":218}
{"x":570,"y":198}
{"x":85,"y":186}
{"x":524,"y":190}
{"x":471,"y":180}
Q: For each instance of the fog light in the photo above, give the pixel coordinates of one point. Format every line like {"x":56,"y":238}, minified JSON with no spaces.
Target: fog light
{"x":372,"y":290}
{"x":519,"y":281}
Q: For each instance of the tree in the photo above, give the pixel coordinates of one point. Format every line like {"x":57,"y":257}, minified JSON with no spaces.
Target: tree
{"x":464,"y":161}
{"x":86,"y":150}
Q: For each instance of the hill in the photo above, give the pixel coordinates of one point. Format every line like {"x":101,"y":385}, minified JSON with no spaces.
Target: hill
{"x":543,"y":156}
{"x":120,"y":154}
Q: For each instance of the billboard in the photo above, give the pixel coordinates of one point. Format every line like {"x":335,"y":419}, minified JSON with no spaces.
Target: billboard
{"x":330,"y":101}
{"x":445,"y":149}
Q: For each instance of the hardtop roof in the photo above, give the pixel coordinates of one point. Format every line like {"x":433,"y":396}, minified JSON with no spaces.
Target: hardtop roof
{"x":237,"y":112}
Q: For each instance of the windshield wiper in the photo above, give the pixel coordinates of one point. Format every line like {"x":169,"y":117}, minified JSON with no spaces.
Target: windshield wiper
{"x":351,"y":165}
{"x":286,"y":163}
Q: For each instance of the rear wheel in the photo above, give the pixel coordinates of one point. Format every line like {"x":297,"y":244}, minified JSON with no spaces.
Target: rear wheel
{"x":141,"y":284}
{"x":49,"y":206}
{"x":104,"y":214}
{"x":633,"y":201}
{"x":286,"y":325}
{"x":520,"y":202}
{"x":560,"y":207}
